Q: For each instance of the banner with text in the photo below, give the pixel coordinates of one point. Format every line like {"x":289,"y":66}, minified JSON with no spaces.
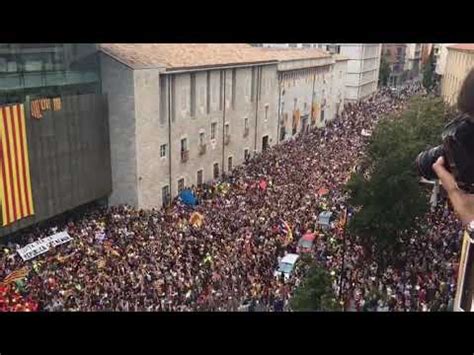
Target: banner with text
{"x":41,"y":246}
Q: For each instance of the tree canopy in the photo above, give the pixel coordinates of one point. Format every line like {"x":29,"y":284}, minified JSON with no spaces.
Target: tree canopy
{"x":315,"y":293}
{"x":388,"y":195}
{"x":384,"y":71}
{"x":428,"y":72}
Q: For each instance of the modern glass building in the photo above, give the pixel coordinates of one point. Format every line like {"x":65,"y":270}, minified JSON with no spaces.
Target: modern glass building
{"x":68,"y":146}
{"x":46,"y":70}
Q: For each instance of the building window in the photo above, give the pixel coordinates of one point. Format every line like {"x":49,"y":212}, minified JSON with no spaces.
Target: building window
{"x":265,"y":144}
{"x":266,"y":112}
{"x":201,"y":138}
{"x":234,"y":86}
{"x":246,"y":126}
{"x":295,"y":103}
{"x":227,"y":129}
{"x":184,"y":144}
{"x":229,"y":164}
{"x":216,"y":170}
{"x":162,"y":150}
{"x":165,"y":195}
{"x":322,"y":115}
{"x":180,"y":185}
{"x":193,"y":94}
{"x":213,"y":130}
{"x":246,"y":154}
{"x":282,"y":133}
{"x":199,"y":178}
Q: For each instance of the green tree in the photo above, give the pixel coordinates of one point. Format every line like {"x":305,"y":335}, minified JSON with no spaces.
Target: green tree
{"x":315,"y":292}
{"x":384,"y":71}
{"x":428,"y":72}
{"x":388,"y":195}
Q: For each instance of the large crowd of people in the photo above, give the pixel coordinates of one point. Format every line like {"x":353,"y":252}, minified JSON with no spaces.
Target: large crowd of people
{"x":123,"y":259}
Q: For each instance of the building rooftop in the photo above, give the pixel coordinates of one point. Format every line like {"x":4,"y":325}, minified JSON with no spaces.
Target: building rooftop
{"x":463,"y":47}
{"x":286,"y":54}
{"x":339,"y":57}
{"x":184,"y":56}
{"x":187,"y":56}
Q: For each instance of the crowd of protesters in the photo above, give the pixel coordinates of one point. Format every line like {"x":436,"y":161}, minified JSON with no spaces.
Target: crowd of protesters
{"x":123,"y":259}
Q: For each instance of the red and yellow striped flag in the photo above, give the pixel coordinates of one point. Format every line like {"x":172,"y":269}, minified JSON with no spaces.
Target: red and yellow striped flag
{"x":15,"y":183}
{"x":15,"y":276}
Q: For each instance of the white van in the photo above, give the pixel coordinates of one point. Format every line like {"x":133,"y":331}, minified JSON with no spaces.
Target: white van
{"x":286,"y":265}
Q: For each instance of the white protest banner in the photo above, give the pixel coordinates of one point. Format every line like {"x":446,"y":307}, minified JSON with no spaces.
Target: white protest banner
{"x":366,"y":132}
{"x":60,"y":238}
{"x":32,"y":250}
{"x":41,"y":246}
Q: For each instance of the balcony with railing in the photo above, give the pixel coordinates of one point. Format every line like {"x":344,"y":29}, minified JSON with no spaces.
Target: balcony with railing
{"x":202,"y":149}
{"x":184,"y":156}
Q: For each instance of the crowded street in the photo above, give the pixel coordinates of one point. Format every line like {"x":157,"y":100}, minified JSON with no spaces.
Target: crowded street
{"x":123,"y":259}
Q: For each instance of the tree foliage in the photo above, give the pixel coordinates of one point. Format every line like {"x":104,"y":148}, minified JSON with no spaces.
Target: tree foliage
{"x":384,"y":71}
{"x":428,"y":72}
{"x":315,"y":293}
{"x":390,"y":197}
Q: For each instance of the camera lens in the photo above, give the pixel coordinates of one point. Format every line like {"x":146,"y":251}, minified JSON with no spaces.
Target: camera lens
{"x":425,"y":161}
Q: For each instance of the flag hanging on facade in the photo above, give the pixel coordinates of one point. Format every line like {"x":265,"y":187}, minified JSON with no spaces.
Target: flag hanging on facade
{"x":36,"y":109}
{"x":16,"y":197}
{"x":57,"y":104}
{"x":15,"y":276}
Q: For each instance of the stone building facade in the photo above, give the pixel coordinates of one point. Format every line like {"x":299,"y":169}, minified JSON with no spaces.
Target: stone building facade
{"x":181,"y":115}
{"x":459,"y":61}
{"x":395,"y":55}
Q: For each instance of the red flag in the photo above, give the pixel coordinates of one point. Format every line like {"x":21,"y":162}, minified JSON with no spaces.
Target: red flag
{"x":323,"y":191}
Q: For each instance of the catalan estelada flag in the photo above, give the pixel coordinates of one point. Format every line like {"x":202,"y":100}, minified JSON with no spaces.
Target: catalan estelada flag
{"x":15,"y":276}
{"x":286,"y":229}
{"x":15,"y":183}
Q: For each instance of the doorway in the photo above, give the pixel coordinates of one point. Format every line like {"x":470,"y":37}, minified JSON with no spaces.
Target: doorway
{"x":265,"y":145}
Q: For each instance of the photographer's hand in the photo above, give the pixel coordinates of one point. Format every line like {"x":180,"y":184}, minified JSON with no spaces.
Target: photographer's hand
{"x":463,"y":202}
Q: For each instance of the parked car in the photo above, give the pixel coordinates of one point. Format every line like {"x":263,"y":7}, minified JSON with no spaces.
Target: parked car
{"x":305,"y":244}
{"x":286,"y":266}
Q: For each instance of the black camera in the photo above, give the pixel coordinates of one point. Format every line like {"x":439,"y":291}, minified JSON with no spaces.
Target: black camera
{"x":458,"y":152}
{"x":458,"y":143}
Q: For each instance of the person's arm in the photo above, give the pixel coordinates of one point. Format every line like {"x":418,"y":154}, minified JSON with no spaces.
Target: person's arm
{"x":463,"y":202}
